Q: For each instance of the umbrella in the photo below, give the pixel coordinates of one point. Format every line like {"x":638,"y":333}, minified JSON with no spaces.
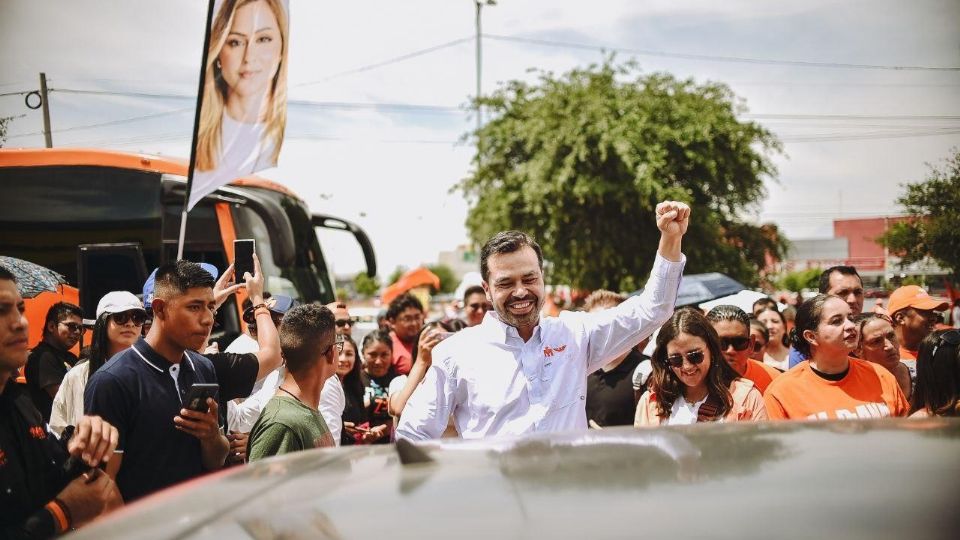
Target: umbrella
{"x":32,"y":279}
{"x":698,"y":288}
{"x":743,"y":300}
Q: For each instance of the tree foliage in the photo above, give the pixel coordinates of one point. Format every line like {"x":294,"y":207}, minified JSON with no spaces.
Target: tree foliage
{"x":799,"y":280}
{"x":933,"y":229}
{"x":397,"y":273}
{"x":366,"y":285}
{"x":448,"y":281}
{"x":580,"y":161}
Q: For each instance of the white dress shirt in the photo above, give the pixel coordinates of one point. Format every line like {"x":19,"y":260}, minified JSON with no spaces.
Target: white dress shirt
{"x":494,"y":383}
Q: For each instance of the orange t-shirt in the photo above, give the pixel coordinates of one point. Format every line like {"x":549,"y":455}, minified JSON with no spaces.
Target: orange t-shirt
{"x":907,"y":354}
{"x":761,"y":374}
{"x":867,"y":391}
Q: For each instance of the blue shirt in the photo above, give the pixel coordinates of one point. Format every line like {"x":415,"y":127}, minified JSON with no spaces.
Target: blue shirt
{"x":140,"y":393}
{"x":795,"y":357}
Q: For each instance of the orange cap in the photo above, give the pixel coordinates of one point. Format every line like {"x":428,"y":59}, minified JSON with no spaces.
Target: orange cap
{"x":914,"y":296}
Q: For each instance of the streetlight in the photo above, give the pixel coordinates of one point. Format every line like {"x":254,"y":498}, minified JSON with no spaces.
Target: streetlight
{"x":479,"y":4}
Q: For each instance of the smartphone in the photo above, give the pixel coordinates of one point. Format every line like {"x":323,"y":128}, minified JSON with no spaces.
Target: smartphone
{"x":197,"y":396}
{"x":444,"y":335}
{"x":243,"y":258}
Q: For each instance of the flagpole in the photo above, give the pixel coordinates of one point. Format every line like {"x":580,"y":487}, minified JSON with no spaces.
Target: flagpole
{"x":196,"y":131}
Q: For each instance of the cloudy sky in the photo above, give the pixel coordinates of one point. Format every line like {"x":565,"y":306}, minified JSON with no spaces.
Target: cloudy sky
{"x":857,"y":90}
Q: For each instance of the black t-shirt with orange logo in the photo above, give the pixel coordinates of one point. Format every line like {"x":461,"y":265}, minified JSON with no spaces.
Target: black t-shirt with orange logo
{"x":31,"y":467}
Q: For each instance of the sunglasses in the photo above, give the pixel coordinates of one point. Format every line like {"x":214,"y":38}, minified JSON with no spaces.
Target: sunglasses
{"x":343,"y":322}
{"x":739,"y":343}
{"x":695,"y":357}
{"x":73,"y":327}
{"x":138,"y":317}
{"x":950,"y":337}
{"x":338,"y":342}
{"x":758,"y":346}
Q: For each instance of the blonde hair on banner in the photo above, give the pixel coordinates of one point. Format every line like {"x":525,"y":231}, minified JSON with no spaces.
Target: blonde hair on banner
{"x":215,"y":88}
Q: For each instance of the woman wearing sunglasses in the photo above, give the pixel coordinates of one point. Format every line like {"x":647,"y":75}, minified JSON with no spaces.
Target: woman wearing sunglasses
{"x":938,"y":376}
{"x":691,"y":380}
{"x":832,"y":384}
{"x":120,"y":317}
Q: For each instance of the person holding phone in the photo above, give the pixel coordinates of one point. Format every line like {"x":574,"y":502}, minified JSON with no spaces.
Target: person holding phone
{"x":143,"y":390}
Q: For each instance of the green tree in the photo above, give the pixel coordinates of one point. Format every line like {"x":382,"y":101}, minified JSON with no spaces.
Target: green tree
{"x":800,"y":279}
{"x":365,"y":285}
{"x":397,"y":273}
{"x":933,"y":227}
{"x":580,"y":161}
{"x":448,"y":281}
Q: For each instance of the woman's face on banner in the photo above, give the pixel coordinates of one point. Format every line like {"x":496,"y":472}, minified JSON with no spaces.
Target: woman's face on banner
{"x":250,"y":57}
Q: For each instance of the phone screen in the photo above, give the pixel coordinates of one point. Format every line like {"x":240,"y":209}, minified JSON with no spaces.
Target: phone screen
{"x":242,"y":258}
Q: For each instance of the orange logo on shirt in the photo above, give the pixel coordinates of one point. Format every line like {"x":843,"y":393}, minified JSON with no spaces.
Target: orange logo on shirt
{"x":37,"y":433}
{"x":548,"y":351}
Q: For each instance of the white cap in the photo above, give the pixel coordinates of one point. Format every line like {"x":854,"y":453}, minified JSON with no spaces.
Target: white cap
{"x":118,"y":302}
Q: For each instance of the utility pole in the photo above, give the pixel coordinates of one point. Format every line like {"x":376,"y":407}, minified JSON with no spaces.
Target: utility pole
{"x":46,"y":110}
{"x":479,"y":5}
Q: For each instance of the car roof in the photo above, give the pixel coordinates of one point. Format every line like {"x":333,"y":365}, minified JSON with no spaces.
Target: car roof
{"x":890,"y":478}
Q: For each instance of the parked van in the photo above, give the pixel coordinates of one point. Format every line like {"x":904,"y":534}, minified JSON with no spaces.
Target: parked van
{"x":104,"y":219}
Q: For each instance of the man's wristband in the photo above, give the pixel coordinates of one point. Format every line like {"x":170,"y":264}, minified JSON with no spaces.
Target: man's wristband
{"x":259,"y":306}
{"x":61,"y":515}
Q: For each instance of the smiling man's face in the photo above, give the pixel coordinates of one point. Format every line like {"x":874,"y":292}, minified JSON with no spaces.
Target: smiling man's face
{"x":515,"y":287}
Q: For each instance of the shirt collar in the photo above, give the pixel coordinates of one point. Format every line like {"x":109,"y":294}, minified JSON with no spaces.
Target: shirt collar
{"x":501,"y":332}
{"x":154,"y":359}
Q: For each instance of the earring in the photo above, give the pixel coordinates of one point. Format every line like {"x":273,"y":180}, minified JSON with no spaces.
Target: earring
{"x":216,"y":63}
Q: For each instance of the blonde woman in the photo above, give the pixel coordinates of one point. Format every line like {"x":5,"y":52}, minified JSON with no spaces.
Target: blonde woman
{"x":244,"y":110}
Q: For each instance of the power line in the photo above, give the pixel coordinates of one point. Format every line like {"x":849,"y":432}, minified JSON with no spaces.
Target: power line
{"x":714,"y":58}
{"x":389,"y":61}
{"x":104,"y":124}
{"x":867,"y":136}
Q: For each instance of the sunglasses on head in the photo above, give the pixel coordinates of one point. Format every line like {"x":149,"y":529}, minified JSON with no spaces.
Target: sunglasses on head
{"x":739,"y":343}
{"x":138,"y":317}
{"x":695,"y":357}
{"x":950,"y":337}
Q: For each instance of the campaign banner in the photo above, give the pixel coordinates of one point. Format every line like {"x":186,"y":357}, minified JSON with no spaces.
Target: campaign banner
{"x":243,"y":104}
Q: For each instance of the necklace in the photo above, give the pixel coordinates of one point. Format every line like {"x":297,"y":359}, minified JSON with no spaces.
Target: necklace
{"x":291,"y":395}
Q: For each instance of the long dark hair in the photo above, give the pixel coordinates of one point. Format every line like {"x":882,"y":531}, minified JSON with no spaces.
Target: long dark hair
{"x":938,"y":377}
{"x":99,"y":343}
{"x":352,"y":385}
{"x":667,"y":386}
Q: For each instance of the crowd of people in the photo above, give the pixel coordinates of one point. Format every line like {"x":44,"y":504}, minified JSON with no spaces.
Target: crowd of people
{"x":151,"y":402}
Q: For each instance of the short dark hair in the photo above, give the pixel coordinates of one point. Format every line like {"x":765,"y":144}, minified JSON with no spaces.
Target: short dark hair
{"x":808,"y":318}
{"x":383,"y":336}
{"x":472,"y":290}
{"x":401,"y":303}
{"x":60,"y":311}
{"x":307,"y":331}
{"x":844,"y":270}
{"x":176,"y":278}
{"x":766,"y":302}
{"x":507,"y":242}
{"x":729,"y":312}
{"x":7,"y":274}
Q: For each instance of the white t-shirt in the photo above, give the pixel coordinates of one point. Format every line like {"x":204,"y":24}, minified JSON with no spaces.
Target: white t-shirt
{"x":243,"y":344}
{"x":684,"y":413}
{"x":68,"y":403}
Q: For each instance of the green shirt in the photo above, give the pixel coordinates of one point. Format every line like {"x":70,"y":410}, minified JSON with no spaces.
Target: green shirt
{"x":286,"y":425}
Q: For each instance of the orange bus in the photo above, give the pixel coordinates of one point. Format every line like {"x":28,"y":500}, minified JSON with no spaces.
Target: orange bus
{"x":104,"y":219}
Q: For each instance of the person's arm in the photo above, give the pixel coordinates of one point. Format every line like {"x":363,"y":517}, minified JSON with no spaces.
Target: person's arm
{"x":614,"y":331}
{"x":268,"y":338}
{"x":427,"y":412}
{"x":755,"y":404}
{"x":214,"y":446}
{"x":332,"y":403}
{"x":248,"y":411}
{"x":396,"y":402}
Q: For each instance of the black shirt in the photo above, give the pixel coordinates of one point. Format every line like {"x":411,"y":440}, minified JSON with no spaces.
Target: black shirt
{"x":140,"y":393}
{"x":31,"y":467}
{"x":610,"y":396}
{"x":236,"y":374}
{"x":375,"y":402}
{"x":46,"y":366}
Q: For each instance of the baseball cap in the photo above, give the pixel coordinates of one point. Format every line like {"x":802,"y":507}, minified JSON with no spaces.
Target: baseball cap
{"x":914,"y":296}
{"x":278,"y":304}
{"x":150,"y":284}
{"x":115,"y":302}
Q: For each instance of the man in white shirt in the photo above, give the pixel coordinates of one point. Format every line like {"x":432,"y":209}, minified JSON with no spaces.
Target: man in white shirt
{"x":516,"y":373}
